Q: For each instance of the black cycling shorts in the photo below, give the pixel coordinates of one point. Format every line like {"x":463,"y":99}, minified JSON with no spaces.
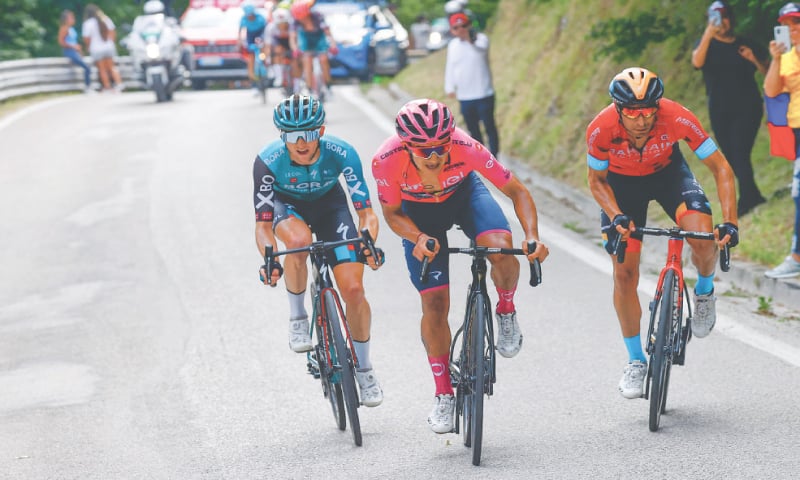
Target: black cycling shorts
{"x":671,"y":187}
{"x":328,"y":217}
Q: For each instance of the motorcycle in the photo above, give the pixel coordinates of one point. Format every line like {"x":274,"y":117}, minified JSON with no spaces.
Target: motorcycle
{"x":159,"y":57}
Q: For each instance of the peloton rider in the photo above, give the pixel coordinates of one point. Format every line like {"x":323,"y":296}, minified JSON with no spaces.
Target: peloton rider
{"x":633,"y":158}
{"x":427,"y":182}
{"x":297,"y":192}
{"x":311,"y":37}
{"x":251,"y":33}
{"x":277,"y":36}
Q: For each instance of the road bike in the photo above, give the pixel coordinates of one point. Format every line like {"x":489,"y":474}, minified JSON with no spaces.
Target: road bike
{"x":332,"y":360}
{"x":319,"y":87}
{"x":262,"y":78}
{"x":472,"y":357}
{"x":670,"y":330}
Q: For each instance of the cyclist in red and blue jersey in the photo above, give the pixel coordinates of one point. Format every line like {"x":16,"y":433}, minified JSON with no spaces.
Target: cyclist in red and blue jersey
{"x":297,"y":193}
{"x":633,"y":158}
{"x":427,"y":176}
{"x":251,"y":33}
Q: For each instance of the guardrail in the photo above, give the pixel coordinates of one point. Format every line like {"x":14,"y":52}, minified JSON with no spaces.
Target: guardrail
{"x":54,"y":74}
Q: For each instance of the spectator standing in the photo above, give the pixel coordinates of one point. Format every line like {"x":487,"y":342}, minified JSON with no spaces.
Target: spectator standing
{"x":782,"y":76}
{"x":99,"y":35}
{"x":729,"y":63}
{"x":468,"y":78}
{"x":68,"y":39}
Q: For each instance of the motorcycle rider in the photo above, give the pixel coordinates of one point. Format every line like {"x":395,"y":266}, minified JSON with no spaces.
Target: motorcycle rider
{"x":155,"y":23}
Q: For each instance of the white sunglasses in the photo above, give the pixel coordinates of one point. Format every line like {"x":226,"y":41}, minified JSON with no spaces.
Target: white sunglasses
{"x":295,"y":136}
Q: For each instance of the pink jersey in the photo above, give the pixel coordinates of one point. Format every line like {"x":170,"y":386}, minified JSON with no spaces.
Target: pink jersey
{"x":398,"y":178}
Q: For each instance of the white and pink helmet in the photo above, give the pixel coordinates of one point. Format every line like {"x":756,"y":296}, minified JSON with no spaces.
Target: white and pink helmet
{"x":424,"y":122}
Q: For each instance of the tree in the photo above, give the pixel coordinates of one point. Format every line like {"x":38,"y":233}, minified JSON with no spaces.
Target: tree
{"x":20,"y":33}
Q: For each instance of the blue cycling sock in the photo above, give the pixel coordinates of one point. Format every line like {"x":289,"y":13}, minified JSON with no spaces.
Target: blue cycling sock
{"x":704,"y":284}
{"x":634,"y":346}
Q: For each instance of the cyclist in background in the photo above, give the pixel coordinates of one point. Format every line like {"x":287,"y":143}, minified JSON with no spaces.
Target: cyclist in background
{"x":427,"y":182}
{"x":297,"y":193}
{"x":634,"y":158}
{"x":278,"y":34}
{"x":311,"y":38}
{"x":251,"y":34}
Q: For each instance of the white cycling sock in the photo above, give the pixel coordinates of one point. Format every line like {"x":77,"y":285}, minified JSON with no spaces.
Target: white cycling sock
{"x":362,"y":354}
{"x":297,"y":306}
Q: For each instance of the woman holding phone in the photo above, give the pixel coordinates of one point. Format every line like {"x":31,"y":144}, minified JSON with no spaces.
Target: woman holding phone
{"x":784,"y":76}
{"x":729,"y":63}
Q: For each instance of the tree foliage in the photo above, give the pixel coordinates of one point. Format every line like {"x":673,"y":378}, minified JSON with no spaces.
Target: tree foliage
{"x":29,"y":28}
{"x":626,"y":37}
{"x":408,"y":10}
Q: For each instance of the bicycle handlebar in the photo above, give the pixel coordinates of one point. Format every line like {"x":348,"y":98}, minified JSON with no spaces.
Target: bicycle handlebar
{"x":318,"y":247}
{"x":535,"y":266}
{"x":674,"y":232}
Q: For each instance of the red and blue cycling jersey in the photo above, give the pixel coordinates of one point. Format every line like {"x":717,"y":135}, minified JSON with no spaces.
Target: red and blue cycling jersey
{"x":275,"y":173}
{"x":610,"y":149}
{"x":398,"y":178}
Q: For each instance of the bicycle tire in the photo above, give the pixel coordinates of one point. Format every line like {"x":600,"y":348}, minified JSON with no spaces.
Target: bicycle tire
{"x":330,"y":390}
{"x":347,"y":373}
{"x":476,"y":335}
{"x":661,"y":359}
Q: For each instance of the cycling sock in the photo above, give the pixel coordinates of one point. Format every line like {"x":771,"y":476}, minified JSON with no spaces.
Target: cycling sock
{"x":506,"y":302}
{"x":440,"y":366}
{"x":297,"y":306}
{"x":705,"y":285}
{"x":634,"y":346}
{"x":362,"y":354}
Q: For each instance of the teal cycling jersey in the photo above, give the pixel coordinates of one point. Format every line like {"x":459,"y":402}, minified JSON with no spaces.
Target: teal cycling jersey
{"x":275,"y":173}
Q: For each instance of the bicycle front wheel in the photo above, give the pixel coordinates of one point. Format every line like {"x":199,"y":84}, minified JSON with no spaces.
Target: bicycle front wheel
{"x":324,"y":366}
{"x":661,"y":358}
{"x":475,"y":345}
{"x":344,"y":359}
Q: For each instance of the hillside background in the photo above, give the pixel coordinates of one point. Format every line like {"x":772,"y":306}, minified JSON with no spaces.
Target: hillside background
{"x":551,"y":78}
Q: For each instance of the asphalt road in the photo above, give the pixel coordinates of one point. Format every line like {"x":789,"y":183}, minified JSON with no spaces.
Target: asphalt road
{"x":136,"y":341}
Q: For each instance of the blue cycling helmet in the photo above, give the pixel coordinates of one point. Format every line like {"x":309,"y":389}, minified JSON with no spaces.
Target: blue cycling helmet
{"x":299,"y":112}
{"x":249,"y":10}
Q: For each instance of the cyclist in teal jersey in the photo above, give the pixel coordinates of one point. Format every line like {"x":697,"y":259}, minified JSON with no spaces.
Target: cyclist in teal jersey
{"x":297,"y":193}
{"x":251,"y":32}
{"x":311,"y":37}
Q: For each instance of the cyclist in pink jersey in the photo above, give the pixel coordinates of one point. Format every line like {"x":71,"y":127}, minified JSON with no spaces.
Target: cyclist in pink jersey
{"x":427,"y":183}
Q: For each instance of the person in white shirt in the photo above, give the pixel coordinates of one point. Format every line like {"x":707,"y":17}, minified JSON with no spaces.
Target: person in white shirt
{"x":468,"y":78}
{"x":99,"y":36}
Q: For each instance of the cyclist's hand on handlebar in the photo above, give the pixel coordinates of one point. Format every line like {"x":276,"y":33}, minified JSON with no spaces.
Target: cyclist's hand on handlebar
{"x":726,"y":233}
{"x":277,"y":273}
{"x":540,"y":253}
{"x":333,"y":50}
{"x":366,"y":257}
{"x":623,"y":225}
{"x":421,"y":251}
{"x":296,"y":54}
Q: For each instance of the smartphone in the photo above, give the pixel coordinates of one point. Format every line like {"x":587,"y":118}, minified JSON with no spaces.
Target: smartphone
{"x":715,"y":17}
{"x":782,"y":36}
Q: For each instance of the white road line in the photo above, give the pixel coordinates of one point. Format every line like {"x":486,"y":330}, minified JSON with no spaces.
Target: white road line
{"x":14,"y":116}
{"x":598,"y":260}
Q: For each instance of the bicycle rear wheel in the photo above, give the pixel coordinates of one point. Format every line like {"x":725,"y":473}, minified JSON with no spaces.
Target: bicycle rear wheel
{"x":344,"y":361}
{"x":475,"y":345}
{"x":661,"y":358}
{"x":332,"y":391}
